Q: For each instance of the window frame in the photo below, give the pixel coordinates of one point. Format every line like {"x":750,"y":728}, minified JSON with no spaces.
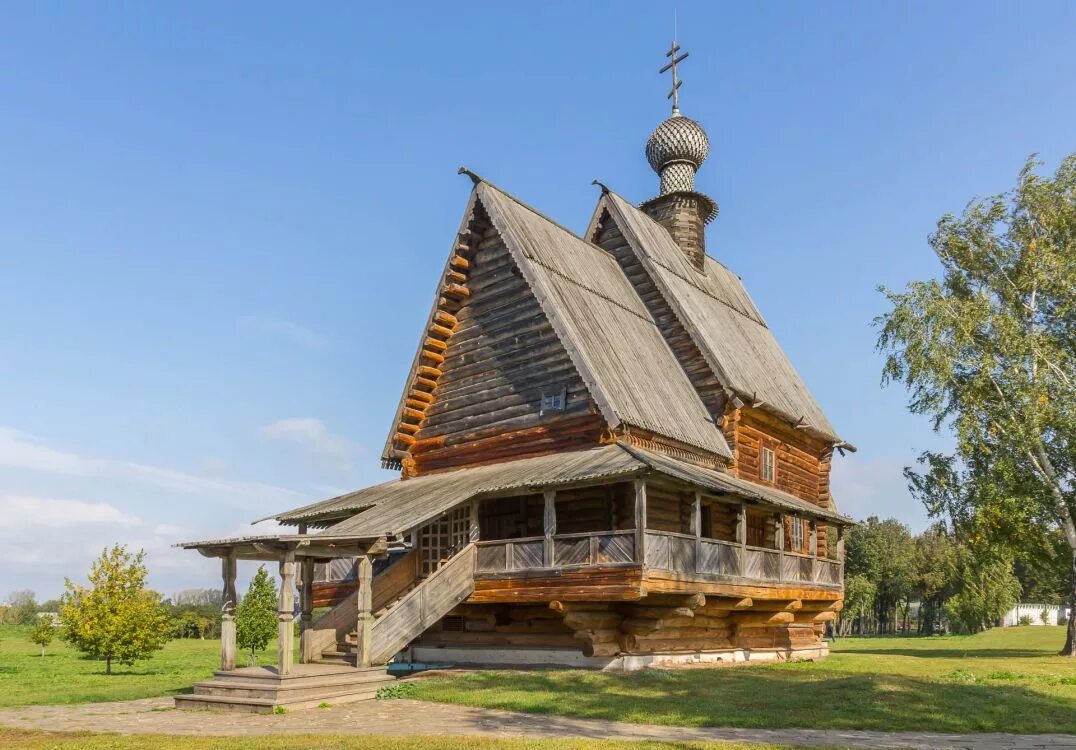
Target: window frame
{"x":771,"y":455}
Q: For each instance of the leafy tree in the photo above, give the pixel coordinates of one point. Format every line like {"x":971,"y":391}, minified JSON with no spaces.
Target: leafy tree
{"x":990,"y":351}
{"x":987,"y":590}
{"x":883,"y":552}
{"x":859,"y":593}
{"x":117,"y":617}
{"x":256,"y":615}
{"x":22,"y":607}
{"x":935,"y":572}
{"x":43,"y":632}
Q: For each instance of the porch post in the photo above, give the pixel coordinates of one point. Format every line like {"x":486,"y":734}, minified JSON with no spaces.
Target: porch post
{"x":365,"y":622}
{"x":741,"y":534}
{"x":696,"y":526}
{"x":474,"y":531}
{"x":813,"y":525}
{"x":227,"y":618}
{"x":286,"y":614}
{"x":640,"y":520}
{"x":306,"y":608}
{"x":549,"y":522}
{"x":779,"y":543}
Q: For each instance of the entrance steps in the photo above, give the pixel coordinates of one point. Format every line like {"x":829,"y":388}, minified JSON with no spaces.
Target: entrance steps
{"x":262,"y":690}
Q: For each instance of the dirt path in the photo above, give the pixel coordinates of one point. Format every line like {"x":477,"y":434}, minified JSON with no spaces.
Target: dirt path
{"x":407,"y":717}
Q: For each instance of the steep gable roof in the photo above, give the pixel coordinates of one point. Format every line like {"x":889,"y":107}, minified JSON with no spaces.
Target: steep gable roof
{"x":720,"y":316}
{"x":610,"y":336}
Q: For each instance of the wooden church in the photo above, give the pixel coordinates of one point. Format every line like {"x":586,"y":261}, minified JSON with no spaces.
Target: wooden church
{"x":606,"y":461}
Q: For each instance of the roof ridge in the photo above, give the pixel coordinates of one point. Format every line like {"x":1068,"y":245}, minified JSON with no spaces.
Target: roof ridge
{"x":686,"y":279}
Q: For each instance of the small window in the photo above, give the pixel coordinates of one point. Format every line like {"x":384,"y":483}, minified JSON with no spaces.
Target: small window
{"x":553,"y":399}
{"x":768,"y":472}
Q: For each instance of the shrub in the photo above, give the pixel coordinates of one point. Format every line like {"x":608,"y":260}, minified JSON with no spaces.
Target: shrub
{"x":1025,"y":620}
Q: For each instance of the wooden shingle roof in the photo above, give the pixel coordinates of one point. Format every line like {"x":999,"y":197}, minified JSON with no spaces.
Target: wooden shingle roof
{"x":715,"y":308}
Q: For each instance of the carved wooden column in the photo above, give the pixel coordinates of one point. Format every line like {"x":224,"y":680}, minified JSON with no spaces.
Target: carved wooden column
{"x":696,"y":527}
{"x":286,"y":614}
{"x":474,"y":531}
{"x":306,"y":609}
{"x":549,"y":524}
{"x":364,"y":624}
{"x":779,"y":543}
{"x":741,"y":535}
{"x":640,"y":520}
{"x":227,"y":618}
{"x":813,"y":547}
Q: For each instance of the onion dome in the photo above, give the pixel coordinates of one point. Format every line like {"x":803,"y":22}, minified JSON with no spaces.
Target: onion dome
{"x":675,"y":150}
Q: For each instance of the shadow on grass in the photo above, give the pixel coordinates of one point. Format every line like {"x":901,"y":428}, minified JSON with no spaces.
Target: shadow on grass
{"x":765,"y":698}
{"x":952,"y":653}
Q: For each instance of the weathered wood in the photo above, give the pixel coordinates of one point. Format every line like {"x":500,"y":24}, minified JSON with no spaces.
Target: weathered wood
{"x":364,"y":619}
{"x":307,"y":654}
{"x":590,"y":619}
{"x":549,"y":521}
{"x":640,"y":519}
{"x":691,"y":601}
{"x":227,"y":624}
{"x":286,"y":614}
{"x":761,"y":618}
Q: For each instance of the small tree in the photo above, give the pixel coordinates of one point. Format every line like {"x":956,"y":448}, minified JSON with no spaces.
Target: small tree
{"x":22,"y":608}
{"x":256,"y":617}
{"x":43,"y":632}
{"x":117,"y":617}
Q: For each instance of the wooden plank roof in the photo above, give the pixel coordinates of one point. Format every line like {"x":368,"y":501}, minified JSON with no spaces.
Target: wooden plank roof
{"x":717,"y":311}
{"x":397,"y":506}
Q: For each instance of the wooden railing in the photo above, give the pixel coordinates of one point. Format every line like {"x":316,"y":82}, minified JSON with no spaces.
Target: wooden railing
{"x":569,"y":550}
{"x":665,"y":550}
{"x":424,"y":605}
{"x":332,"y":627}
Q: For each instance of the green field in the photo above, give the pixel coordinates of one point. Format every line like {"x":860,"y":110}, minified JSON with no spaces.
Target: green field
{"x":999,"y":681}
{"x":1005,"y":680}
{"x":65,"y":676}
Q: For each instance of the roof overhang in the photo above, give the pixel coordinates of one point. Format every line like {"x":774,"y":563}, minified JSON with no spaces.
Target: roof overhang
{"x":275,"y":547}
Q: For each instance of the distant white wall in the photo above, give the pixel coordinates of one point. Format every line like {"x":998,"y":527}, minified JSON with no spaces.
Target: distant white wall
{"x":1054,"y":614}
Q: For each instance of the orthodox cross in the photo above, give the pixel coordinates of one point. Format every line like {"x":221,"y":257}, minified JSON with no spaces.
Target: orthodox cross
{"x":674,"y":60}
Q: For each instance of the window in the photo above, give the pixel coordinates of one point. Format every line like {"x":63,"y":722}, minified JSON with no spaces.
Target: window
{"x":553,"y":399}
{"x":767,"y":466}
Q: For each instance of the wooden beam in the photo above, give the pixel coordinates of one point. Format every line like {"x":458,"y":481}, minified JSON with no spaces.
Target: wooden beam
{"x":286,"y":613}
{"x":549,"y":523}
{"x":696,"y":527}
{"x":365,"y":619}
{"x":306,"y":609}
{"x":227,"y":618}
{"x":640,"y":520}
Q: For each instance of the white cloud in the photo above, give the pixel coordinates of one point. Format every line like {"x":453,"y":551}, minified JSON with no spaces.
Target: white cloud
{"x":315,"y":437}
{"x":18,"y":450}
{"x":19,"y":512}
{"x":283,"y":329}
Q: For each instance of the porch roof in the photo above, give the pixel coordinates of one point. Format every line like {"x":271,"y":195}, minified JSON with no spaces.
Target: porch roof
{"x":395,"y":507}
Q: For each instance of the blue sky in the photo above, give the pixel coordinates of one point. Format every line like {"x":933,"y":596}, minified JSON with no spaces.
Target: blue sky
{"x":220,"y":226}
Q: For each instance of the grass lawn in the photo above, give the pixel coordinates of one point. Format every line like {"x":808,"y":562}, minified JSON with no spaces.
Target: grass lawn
{"x":21,"y":740}
{"x":1003,"y":680}
{"x":65,"y":676}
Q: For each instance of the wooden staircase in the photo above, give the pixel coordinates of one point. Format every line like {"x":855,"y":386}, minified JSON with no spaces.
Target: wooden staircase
{"x":412,"y":609}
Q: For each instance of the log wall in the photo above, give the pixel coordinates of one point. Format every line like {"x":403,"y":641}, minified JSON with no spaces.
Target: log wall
{"x":498,"y":358}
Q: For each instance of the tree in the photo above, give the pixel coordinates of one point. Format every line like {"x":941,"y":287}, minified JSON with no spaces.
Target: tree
{"x":43,"y":632}
{"x":22,"y":607}
{"x":989,"y":350}
{"x":117,"y":617}
{"x":256,"y":615}
{"x":883,"y":552}
{"x":859,"y":593}
{"x":935,"y":572}
{"x":987,"y":590}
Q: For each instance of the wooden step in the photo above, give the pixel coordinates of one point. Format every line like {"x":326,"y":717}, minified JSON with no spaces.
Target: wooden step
{"x":253,"y":690}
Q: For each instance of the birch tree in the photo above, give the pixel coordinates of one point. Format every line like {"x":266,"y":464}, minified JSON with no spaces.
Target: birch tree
{"x":989,"y":351}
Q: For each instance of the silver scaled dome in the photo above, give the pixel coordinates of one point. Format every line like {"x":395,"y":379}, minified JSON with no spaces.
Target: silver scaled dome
{"x":675,"y":150}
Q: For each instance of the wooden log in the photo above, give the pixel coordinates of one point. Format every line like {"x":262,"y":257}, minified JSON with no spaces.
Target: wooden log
{"x":761,"y":618}
{"x":638,"y":610}
{"x":418,"y":395}
{"x":577,"y":606}
{"x":433,"y":356}
{"x":691,"y":601}
{"x":633,"y":644}
{"x":456,"y":290}
{"x":435,"y":344}
{"x":439,"y":330}
{"x":763,"y":605}
{"x":726,"y":603}
{"x":429,"y":372}
{"x":400,"y":437}
{"x":606,"y":635}
{"x":533,"y":613}
{"x":417,"y":405}
{"x":815,"y":617}
{"x":458,"y":261}
{"x":413,"y":413}
{"x":444,"y":318}
{"x":408,"y":427}
{"x":822,"y":606}
{"x":601,"y":649}
{"x":583,"y":620}
{"x":455,"y":277}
